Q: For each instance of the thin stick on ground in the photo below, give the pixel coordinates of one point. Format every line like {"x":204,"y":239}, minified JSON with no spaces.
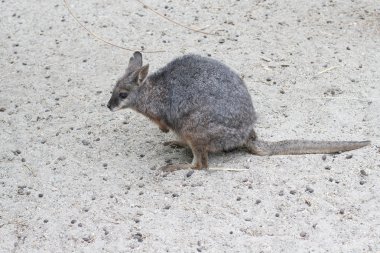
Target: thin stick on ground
{"x":326,"y":70}
{"x":100,"y":38}
{"x":173,"y":21}
{"x":30,"y":170}
{"x":226,"y":169}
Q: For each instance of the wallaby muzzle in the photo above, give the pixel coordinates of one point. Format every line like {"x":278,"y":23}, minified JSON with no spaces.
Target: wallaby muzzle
{"x":112,"y":103}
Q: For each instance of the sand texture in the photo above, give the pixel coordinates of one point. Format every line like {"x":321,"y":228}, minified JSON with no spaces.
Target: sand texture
{"x":75,"y":177}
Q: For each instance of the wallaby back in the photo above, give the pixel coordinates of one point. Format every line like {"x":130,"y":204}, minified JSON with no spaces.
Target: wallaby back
{"x":298,"y":147}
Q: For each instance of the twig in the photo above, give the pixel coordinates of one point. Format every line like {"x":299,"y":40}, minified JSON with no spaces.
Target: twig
{"x":226,"y":169}
{"x":110,"y":221}
{"x":265,"y":59}
{"x":173,"y":21}
{"x":30,"y":170}
{"x":100,"y":38}
{"x":326,"y":70}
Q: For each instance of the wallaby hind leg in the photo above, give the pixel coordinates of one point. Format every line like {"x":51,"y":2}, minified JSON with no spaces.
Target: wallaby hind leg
{"x":200,"y":161}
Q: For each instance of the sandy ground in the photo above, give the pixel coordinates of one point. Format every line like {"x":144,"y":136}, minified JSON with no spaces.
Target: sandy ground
{"x":75,"y":177}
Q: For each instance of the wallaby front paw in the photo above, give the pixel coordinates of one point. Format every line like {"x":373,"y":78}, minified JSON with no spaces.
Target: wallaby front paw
{"x":164,"y":129}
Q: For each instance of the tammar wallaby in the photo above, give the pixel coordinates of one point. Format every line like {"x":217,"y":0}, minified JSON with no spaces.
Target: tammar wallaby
{"x":209,"y":108}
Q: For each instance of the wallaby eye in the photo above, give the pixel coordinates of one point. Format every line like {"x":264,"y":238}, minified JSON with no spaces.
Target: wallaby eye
{"x":123,"y":95}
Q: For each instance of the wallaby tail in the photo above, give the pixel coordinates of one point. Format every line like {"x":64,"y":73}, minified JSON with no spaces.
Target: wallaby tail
{"x":298,"y":147}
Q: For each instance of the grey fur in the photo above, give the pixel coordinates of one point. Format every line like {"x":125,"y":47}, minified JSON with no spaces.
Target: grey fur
{"x":207,"y":105}
{"x":297,"y":147}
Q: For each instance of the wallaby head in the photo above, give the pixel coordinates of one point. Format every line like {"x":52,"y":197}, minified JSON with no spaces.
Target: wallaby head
{"x":125,"y":88}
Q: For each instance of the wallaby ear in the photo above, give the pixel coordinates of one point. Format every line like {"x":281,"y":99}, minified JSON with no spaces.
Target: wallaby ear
{"x":135,"y":62}
{"x":143,"y":73}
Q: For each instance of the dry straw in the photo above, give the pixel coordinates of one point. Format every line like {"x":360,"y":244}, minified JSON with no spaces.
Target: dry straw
{"x":126,"y":48}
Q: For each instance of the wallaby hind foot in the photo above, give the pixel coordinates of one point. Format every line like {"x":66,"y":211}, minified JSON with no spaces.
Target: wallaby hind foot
{"x":200,"y":160}
{"x":175,"y":144}
{"x":175,"y":167}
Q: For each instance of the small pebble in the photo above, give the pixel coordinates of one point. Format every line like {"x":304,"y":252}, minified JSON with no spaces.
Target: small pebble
{"x":46,"y":221}
{"x":23,"y":160}
{"x":303,"y":234}
{"x":341,"y":211}
{"x":348,"y":156}
{"x":73,"y":221}
{"x":258,"y":201}
{"x":2,"y":109}
{"x":362,"y":182}
{"x":138,"y":236}
{"x":174,"y":195}
{"x":85,"y":142}
{"x":363,"y":173}
{"x":327,"y":168}
{"x":309,"y":189}
{"x":188,"y":174}
{"x":167,"y":207}
{"x":281,"y":193}
{"x":292,"y":192}
{"x":40,"y":195}
{"x":324,"y":157}
{"x":277,"y":215}
{"x":238,"y":198}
